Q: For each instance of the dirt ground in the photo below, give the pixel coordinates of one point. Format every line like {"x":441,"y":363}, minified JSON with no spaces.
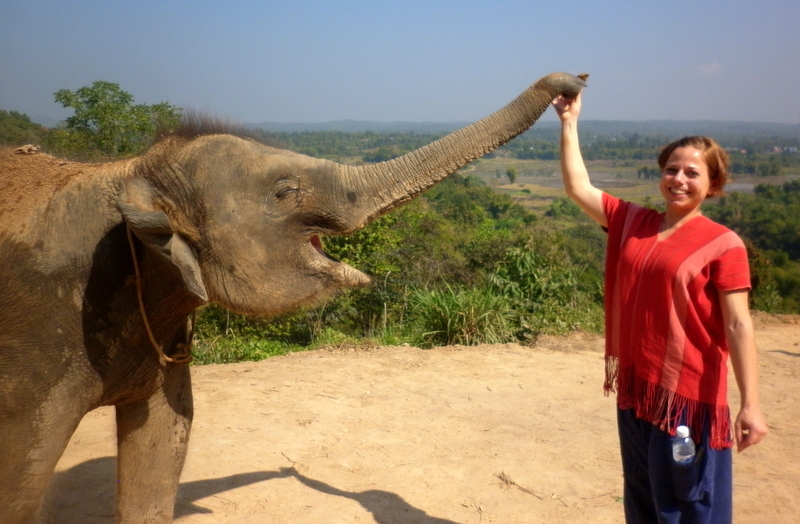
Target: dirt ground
{"x":501,"y":433}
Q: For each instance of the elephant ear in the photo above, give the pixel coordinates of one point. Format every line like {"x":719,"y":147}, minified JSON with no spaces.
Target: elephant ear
{"x":153,"y":228}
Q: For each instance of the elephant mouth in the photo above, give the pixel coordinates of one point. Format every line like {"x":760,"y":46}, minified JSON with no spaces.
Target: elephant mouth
{"x":316,"y":243}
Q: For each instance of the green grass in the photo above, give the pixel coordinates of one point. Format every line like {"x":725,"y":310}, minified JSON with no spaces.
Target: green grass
{"x":227,"y":349}
{"x":465,"y":316}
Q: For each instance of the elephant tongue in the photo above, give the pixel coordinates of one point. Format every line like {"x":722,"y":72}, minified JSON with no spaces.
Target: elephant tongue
{"x":317,"y":243}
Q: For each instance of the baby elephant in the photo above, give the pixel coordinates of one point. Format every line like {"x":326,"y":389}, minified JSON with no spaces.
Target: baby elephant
{"x":102,"y":265}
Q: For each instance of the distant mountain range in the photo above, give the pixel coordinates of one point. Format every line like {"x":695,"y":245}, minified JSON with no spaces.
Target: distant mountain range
{"x":548,"y":128}
{"x":604,"y":127}
{"x":360,"y":126}
{"x":690,"y":127}
{"x":45,"y":121}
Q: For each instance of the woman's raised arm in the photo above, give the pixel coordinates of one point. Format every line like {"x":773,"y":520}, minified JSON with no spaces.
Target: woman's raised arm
{"x":573,"y":170}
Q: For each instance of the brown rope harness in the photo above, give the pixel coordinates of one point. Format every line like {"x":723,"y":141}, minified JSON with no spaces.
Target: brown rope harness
{"x":183,"y":353}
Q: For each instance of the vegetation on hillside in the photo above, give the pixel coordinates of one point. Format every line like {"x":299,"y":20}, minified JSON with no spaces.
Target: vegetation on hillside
{"x":769,"y":220}
{"x":17,"y":129}
{"x":753,"y":154}
{"x":106,"y":124}
{"x":464,"y":263}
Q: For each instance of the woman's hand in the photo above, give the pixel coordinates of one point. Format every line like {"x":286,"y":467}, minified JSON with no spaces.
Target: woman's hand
{"x":568,"y":109}
{"x":749,"y":428}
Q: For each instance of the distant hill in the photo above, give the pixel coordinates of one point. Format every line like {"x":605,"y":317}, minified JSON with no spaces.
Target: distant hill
{"x":359,"y":126}
{"x":549,"y":129}
{"x":718,"y":129}
{"x":546,"y":130}
{"x":46,"y":121}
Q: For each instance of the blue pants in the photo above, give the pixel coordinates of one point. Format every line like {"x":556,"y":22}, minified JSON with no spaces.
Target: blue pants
{"x":659,"y":490}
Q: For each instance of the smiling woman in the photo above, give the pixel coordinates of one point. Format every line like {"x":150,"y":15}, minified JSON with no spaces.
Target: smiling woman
{"x":676,"y":290}
{"x":693,"y":168}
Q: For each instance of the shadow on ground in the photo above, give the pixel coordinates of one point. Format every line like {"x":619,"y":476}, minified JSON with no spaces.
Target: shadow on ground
{"x":787,"y":353}
{"x":86,"y":494}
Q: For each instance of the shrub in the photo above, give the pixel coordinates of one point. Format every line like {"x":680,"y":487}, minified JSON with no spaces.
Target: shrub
{"x":456,"y":315}
{"x":546,"y":294}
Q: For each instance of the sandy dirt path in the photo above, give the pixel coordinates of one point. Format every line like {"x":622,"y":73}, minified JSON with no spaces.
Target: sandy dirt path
{"x":500,"y":433}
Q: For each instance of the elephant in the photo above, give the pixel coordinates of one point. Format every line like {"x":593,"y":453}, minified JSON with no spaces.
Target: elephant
{"x":103,"y":264}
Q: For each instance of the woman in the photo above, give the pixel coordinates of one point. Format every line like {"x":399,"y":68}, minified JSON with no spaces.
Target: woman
{"x":676,"y":306}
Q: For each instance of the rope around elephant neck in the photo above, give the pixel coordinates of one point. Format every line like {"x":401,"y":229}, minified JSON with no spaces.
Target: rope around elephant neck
{"x":184,"y":355}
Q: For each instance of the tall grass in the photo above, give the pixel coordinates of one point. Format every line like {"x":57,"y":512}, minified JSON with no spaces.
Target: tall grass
{"x":456,"y":315}
{"x":547,"y":293}
{"x":224,"y":350}
{"x":222,"y":337}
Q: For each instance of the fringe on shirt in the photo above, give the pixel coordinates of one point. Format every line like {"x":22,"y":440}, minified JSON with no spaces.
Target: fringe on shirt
{"x":666,"y":409}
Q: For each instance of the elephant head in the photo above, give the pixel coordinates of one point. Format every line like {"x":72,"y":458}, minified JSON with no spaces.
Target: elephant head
{"x":242,"y":222}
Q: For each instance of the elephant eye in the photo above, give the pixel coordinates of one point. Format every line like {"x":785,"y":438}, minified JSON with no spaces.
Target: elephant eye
{"x":285,"y":187}
{"x":285,"y":192}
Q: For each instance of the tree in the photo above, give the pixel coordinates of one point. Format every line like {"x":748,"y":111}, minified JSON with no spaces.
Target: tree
{"x":511,"y":173}
{"x":107,"y":121}
{"x":649,"y":172}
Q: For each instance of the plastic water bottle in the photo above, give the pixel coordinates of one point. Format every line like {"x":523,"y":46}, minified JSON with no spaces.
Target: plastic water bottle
{"x":683,"y":446}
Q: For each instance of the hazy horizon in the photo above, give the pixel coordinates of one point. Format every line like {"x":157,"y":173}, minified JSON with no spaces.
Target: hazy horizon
{"x":415,"y":61}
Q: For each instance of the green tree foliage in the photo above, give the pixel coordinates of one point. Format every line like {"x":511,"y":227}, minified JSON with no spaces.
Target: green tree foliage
{"x":511,"y":173}
{"x":436,"y":265}
{"x":532,"y":149}
{"x":468,"y":201}
{"x":769,"y":220}
{"x":341,"y":146}
{"x":563,"y":207}
{"x":770,"y":217}
{"x":759,"y":164}
{"x":649,"y":172}
{"x":630,"y":146}
{"x":383,"y":154}
{"x":108,"y":123}
{"x":17,"y":129}
{"x":465,"y":264}
{"x":763,"y":154}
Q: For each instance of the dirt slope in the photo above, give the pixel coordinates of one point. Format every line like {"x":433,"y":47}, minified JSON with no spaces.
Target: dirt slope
{"x":502,"y":433}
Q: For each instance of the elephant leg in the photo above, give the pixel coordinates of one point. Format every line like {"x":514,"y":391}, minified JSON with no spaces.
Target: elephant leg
{"x":31,"y":442}
{"x":152,"y":437}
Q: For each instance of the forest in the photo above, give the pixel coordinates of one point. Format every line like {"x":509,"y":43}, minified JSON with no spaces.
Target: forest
{"x":470,"y":261}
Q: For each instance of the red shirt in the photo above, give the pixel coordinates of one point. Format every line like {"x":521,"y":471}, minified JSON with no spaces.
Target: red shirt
{"x":666,"y":351}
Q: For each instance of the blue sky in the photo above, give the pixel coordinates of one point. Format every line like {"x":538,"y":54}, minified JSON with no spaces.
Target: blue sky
{"x":439,"y":61}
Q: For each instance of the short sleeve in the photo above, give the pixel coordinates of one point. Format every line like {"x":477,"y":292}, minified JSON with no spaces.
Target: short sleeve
{"x":731,"y":270}
{"x":611,"y":206}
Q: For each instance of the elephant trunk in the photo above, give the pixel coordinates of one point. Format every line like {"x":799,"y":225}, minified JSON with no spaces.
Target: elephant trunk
{"x":389,"y":184}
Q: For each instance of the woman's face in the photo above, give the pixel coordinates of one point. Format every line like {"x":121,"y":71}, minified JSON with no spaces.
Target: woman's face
{"x":685,"y":181}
